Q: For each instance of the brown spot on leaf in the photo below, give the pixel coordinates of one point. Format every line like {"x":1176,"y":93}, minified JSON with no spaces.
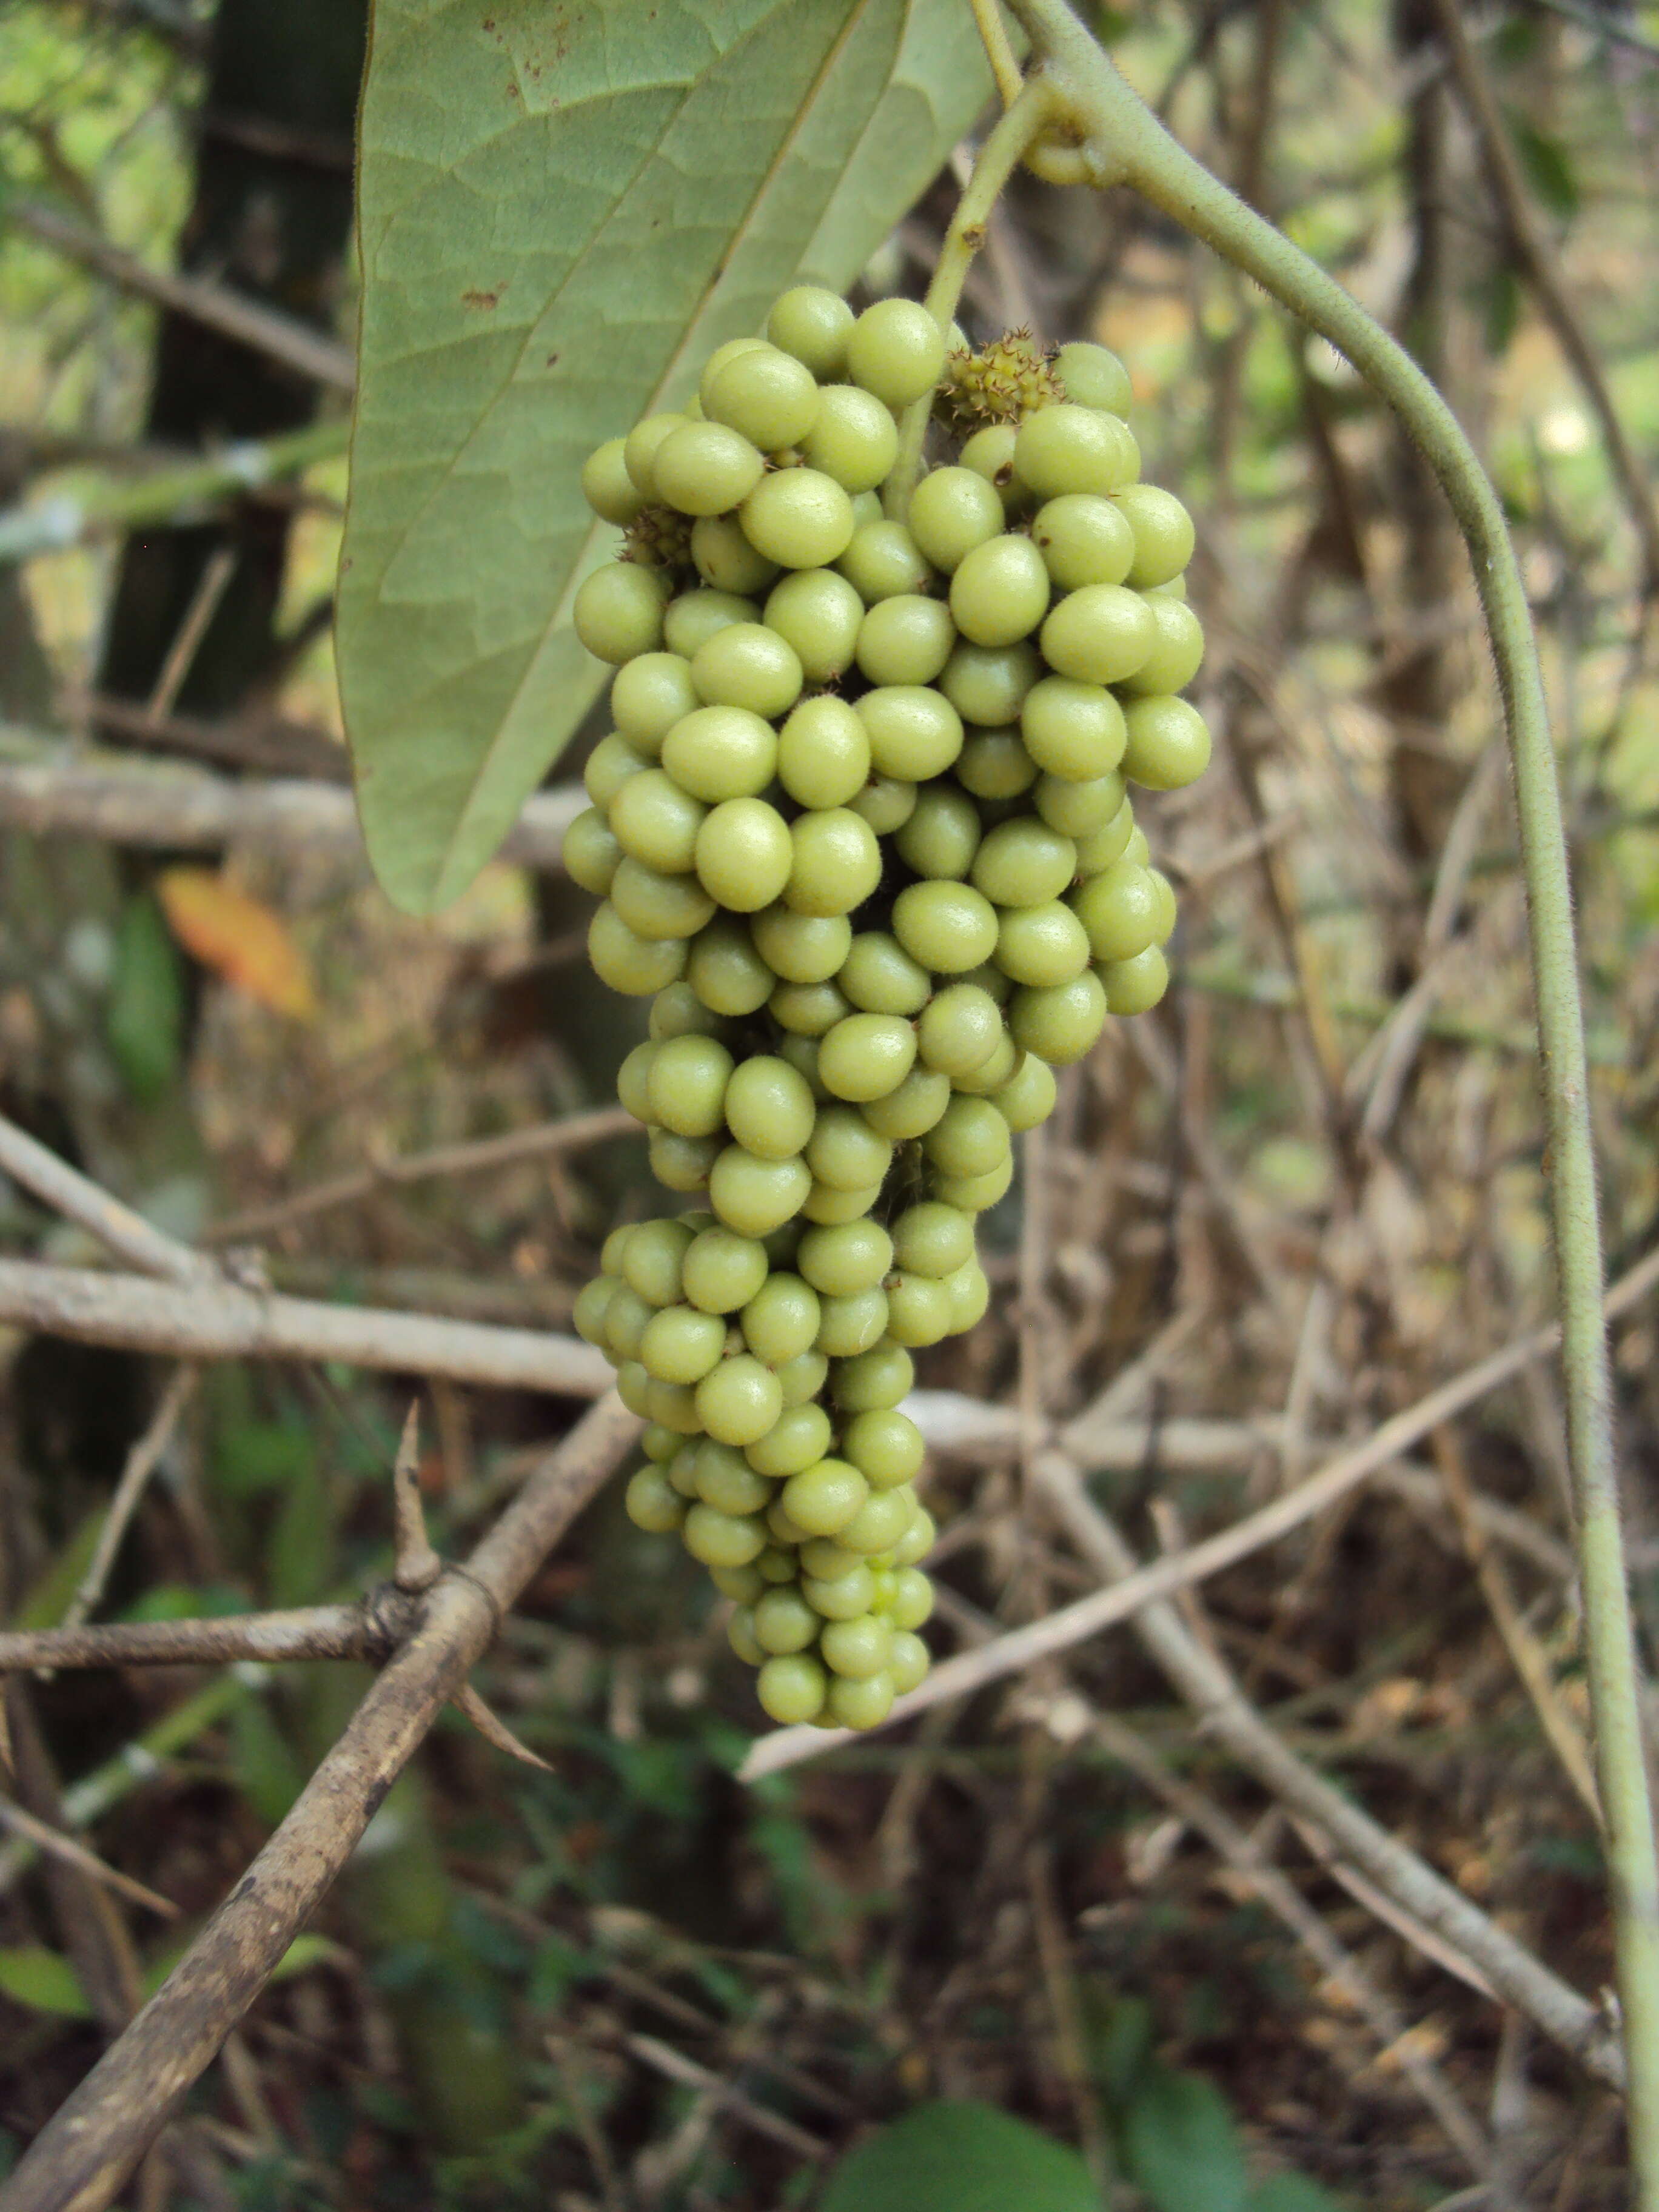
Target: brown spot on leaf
{"x":483,"y":298}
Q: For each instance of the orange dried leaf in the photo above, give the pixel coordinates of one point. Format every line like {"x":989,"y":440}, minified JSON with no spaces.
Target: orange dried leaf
{"x":239,"y":937}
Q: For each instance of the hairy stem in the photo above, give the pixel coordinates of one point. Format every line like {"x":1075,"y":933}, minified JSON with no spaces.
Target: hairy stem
{"x":1125,"y":143}
{"x":999,"y":157}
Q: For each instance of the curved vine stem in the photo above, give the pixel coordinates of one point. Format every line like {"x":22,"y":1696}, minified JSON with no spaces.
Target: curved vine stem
{"x":1123,"y":143}
{"x":1028,"y":116}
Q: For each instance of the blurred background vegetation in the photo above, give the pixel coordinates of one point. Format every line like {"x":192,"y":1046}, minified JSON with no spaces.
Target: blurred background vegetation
{"x":1309,"y":1192}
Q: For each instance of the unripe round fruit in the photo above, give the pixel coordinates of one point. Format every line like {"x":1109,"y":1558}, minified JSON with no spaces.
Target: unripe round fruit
{"x":724,"y":559}
{"x":858,"y":1648}
{"x":909,"y":1663}
{"x":792,"y":1689}
{"x":1094,"y":377}
{"x":800,"y":517}
{"x":755,"y":1196}
{"x":838,"y":1597}
{"x":841,"y":1261}
{"x":951,"y":511}
{"x":859,"y":1706}
{"x":680,"y":1345}
{"x":744,"y":854}
{"x":814,"y":326}
{"x":878,"y":1379}
{"x":1168,"y":742}
{"x":999,"y":592}
{"x":655,"y":905}
{"x":784,"y":1621}
{"x":867,"y":1055}
{"x":1177,"y":650}
{"x":607,"y":485}
{"x":717,"y":361}
{"x":632,"y":965}
{"x":722,"y":1540}
{"x":722,"y":1271}
{"x":851,"y":1323}
{"x":654,"y":1258}
{"x":1100,"y":635}
{"x":942,"y":834}
{"x":844,"y":1151}
{"x":724,"y":970}
{"x":959,"y":1031}
{"x":882,"y":560}
{"x":823,"y":1498}
{"x":764,"y":394}
{"x":912,"y":1109}
{"x":609,"y":765}
{"x":748,"y":664}
{"x":801,"y":948}
{"x":990,"y":453}
{"x":704,"y":468}
{"x":896,"y":350}
{"x":649,"y":693}
{"x":591,"y":852}
{"x":739,"y":1401}
{"x":854,"y":438}
{"x":1083,"y":539}
{"x":769,"y":1109}
{"x":1079,"y":809}
{"x":1071,"y":449}
{"x":905,"y":639}
{"x":694,"y":617}
{"x":1121,"y":910}
{"x":1028,"y":1096}
{"x":970,"y":1138}
{"x":819,"y":613}
{"x":886,"y":803}
{"x":656,"y":822}
{"x":919,"y":1310}
{"x":994,"y":765}
{"x":915,"y":731}
{"x":949,"y":927}
{"x":1060,"y":1022}
{"x":837,"y":863}
{"x":1022,"y":862}
{"x":618,"y":610}
{"x":653,"y":1503}
{"x":781,"y":1321}
{"x":1042,"y":945}
{"x":931,"y":1239}
{"x":720,"y":752}
{"x":1162,"y":534}
{"x":1134,"y":987}
{"x":639,"y":449}
{"x":798,"y":1438}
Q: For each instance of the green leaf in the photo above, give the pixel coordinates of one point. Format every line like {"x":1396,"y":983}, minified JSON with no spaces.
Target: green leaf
{"x":33,"y":1976}
{"x":145,"y":1021}
{"x":1548,"y":166}
{"x":562,"y":211}
{"x":1181,"y":2147}
{"x":949,"y":2157}
{"x":1292,"y":2192}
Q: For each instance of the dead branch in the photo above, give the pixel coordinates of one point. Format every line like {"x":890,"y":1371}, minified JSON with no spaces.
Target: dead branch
{"x":322,"y":360}
{"x":367,"y":1631}
{"x":86,"y":2151}
{"x":78,"y":1199}
{"x":223,"y":1320}
{"x":165,"y":809}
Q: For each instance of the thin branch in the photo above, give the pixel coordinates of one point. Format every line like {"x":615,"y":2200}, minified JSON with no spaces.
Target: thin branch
{"x":83,"y":2154}
{"x":162,"y":808}
{"x":142,"y":1462}
{"x":546,"y":1141}
{"x":281,"y":337}
{"x":80,"y":1199}
{"x":367,"y":1630}
{"x":56,"y":1845}
{"x":1542,"y":271}
{"x":181,"y":494}
{"x":223,"y":1320}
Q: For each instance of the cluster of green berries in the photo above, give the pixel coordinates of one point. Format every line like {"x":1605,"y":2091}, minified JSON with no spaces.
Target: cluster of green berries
{"x":862,"y":831}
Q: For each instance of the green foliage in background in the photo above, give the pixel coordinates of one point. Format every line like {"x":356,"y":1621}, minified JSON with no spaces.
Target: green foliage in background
{"x":560,"y":214}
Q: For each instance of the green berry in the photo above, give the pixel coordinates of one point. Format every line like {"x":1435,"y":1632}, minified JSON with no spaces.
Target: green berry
{"x":793,"y":1688}
{"x":726,"y":971}
{"x":727,"y":1481}
{"x":883,"y":560}
{"x":609,"y":765}
{"x":724,"y":559}
{"x":1028,"y":1096}
{"x":769,"y":1109}
{"x":705,"y":468}
{"x":655,"y":905}
{"x":1162,"y":531}
{"x":744,"y":854}
{"x":653,"y":1503}
{"x":784,"y":1622}
{"x":753,"y":1195}
{"x":587,"y":1315}
{"x":886,"y":1447}
{"x":844,"y":1151}
{"x":859,"y":1706}
{"x":618,"y":610}
{"x":748,"y":664}
{"x":781,"y":1321}
{"x":694,"y":617}
{"x":970,"y":1138}
{"x":990,"y":453}
{"x":948,"y":928}
{"x":858,"y":1648}
{"x":823,"y":1498}
{"x":1168,"y":742}
{"x":591,"y":852}
{"x":801,"y":948}
{"x":931,"y":1239}
{"x":915,"y":731}
{"x":879,"y":976}
{"x":951,"y":511}
{"x":1059,"y":1022}
{"x":838,"y":1597}
{"x":912,"y":1109}
{"x":798,"y":1438}
{"x":959,"y":1031}
{"x":720,"y":752}
{"x":649,"y":693}
{"x":824,"y":754}
{"x":911,"y":1663}
{"x":828,"y":1207}
{"x":682,"y":1163}
{"x":1083,"y":539}
{"x":766,"y":395}
{"x":987,"y":684}
{"x":1133,"y":987}
{"x":940,"y":837}
{"x":808,"y":1009}
{"x":854,"y":438}
{"x":607,"y":485}
{"x":722,"y":1271}
{"x":1022,"y":862}
{"x":819,"y":613}
{"x":993,"y":764}
{"x":975,"y":1193}
{"x":652,"y":1258}
{"x":800,"y":517}
{"x":886,"y":803}
{"x":655,"y":822}
{"x":896,"y":350}
{"x":680,"y":1345}
{"x":630,"y":964}
{"x":814,"y":326}
{"x":841,"y":1260}
{"x":918,"y":1311}
{"x":1119,"y":909}
{"x":905,"y":639}
{"x":1042,"y":945}
{"x":1177,"y":650}
{"x":1072,"y":449}
{"x":999,"y":592}
{"x":1094,"y":377}
{"x":1099,"y":634}
{"x":876,"y":1379}
{"x":1078,"y":809}
{"x":639,"y":450}
{"x":881,"y":1521}
{"x":740,"y":1401}
{"x":867,"y":1055}
{"x":686,"y":1085}
{"x":837,"y":863}
{"x":851,"y":1324}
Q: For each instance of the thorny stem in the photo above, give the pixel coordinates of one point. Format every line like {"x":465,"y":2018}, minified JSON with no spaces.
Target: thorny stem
{"x":1123,"y":143}
{"x":999,"y":157}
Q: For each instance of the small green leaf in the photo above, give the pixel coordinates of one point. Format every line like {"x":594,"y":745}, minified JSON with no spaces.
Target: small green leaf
{"x":1548,"y":166}
{"x":1181,"y":2147}
{"x":561,"y":212}
{"x":33,"y":1976}
{"x":951,"y":2157}
{"x":146,"y":1015}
